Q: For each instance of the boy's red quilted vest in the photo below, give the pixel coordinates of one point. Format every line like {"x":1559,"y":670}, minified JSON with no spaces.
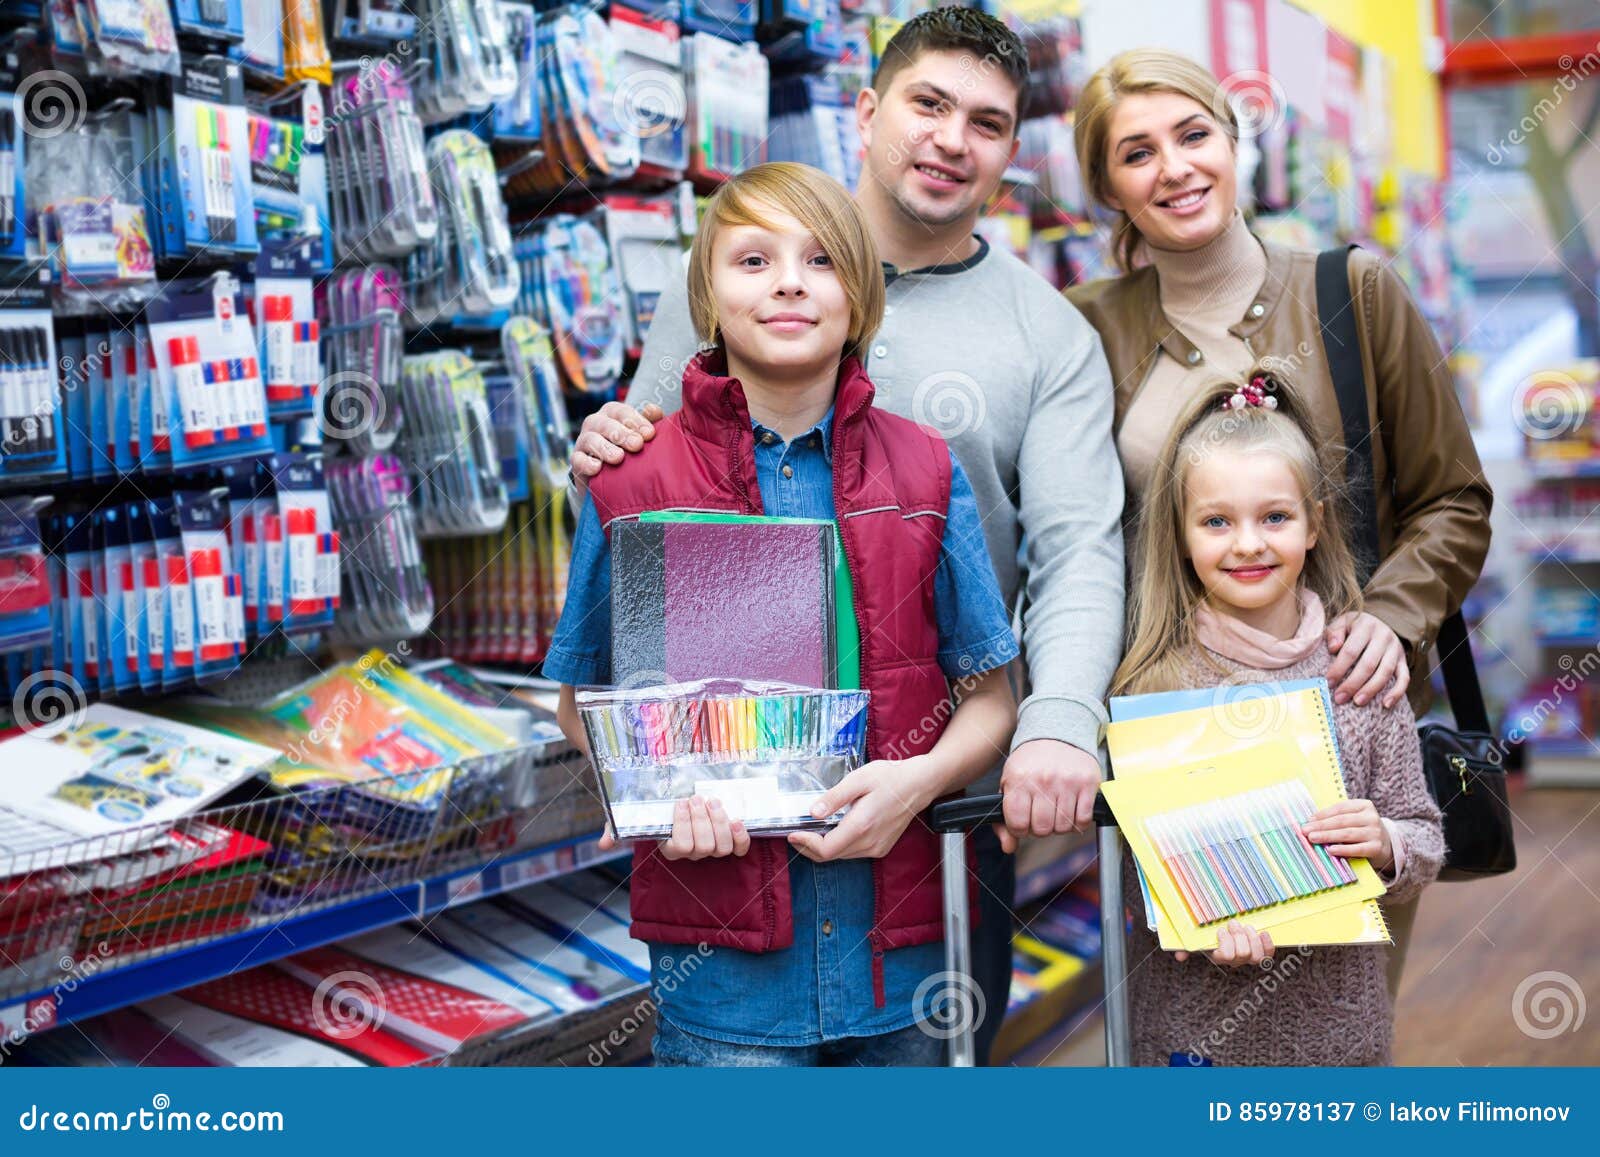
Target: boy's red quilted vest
{"x":891,"y":487}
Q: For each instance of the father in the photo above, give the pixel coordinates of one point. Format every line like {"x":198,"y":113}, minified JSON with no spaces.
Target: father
{"x":977,"y":346}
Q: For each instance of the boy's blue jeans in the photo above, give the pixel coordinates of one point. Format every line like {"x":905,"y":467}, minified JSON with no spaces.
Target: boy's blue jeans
{"x":909,"y":1047}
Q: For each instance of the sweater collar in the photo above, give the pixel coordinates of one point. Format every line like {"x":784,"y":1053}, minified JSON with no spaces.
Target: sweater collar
{"x":1231,"y":639}
{"x":1219,"y":278}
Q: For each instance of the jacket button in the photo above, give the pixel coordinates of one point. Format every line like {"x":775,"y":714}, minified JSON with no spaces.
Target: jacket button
{"x":788,"y":471}
{"x":880,"y":351}
{"x":767,"y":439}
{"x":827,"y":927}
{"x":1194,"y":357}
{"x":1257,"y":309}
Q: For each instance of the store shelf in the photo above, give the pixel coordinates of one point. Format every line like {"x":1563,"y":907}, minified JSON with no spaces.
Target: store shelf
{"x":1577,"y":548}
{"x":1561,"y":468}
{"x":77,"y":999}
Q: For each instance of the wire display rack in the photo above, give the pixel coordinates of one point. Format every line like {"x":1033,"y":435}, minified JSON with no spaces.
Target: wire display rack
{"x":93,"y":925}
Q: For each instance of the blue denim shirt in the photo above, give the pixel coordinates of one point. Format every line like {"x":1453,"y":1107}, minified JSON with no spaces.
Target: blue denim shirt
{"x":819,"y":988}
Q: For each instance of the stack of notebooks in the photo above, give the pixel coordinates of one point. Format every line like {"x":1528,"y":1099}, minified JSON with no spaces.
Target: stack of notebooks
{"x":411,"y":994}
{"x":1210,"y":790}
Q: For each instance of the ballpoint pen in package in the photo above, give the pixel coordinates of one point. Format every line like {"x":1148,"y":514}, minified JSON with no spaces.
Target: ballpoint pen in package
{"x":517,"y":118}
{"x":650,"y":87}
{"x":767,"y":751}
{"x":470,"y":268}
{"x":211,"y":19}
{"x":387,"y":594}
{"x":585,"y":137}
{"x":361,"y":400}
{"x":571,"y":287}
{"x":447,"y":444}
{"x":383,"y":199}
{"x":531,"y":364}
{"x":465,"y":45}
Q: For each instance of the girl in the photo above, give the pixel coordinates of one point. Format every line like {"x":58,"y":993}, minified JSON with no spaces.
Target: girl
{"x":1242,"y":559}
{"x":812,"y":951}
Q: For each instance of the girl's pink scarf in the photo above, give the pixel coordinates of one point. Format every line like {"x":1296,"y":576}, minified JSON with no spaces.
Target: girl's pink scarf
{"x":1231,"y":639}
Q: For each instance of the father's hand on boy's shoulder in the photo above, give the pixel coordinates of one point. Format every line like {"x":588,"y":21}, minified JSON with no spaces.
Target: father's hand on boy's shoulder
{"x":1049,"y":787}
{"x":608,"y":435}
{"x":882,"y":798}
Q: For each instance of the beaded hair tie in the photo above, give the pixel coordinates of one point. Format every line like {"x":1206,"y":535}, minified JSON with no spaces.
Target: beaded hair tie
{"x":1252,"y":393}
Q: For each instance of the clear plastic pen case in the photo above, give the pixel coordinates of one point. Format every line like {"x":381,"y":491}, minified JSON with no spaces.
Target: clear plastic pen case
{"x":767,"y":751}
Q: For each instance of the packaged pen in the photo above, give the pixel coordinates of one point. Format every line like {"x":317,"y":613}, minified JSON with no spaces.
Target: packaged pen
{"x":766,"y":751}
{"x":470,"y":268}
{"x":13,"y":166}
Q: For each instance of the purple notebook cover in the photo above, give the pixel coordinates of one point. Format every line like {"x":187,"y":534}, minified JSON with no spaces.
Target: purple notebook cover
{"x":746,"y":602}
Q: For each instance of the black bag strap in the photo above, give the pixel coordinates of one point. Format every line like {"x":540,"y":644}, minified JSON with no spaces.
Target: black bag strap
{"x":1336,"y":317}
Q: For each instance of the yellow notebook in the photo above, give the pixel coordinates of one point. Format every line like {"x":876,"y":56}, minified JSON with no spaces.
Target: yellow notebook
{"x":1156,"y":743}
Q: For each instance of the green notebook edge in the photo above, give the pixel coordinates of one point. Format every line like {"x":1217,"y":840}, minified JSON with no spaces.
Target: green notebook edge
{"x":847,"y":634}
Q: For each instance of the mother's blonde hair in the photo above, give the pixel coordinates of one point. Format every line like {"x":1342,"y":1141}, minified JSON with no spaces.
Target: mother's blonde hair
{"x":1166,"y":590}
{"x":1141,"y":70}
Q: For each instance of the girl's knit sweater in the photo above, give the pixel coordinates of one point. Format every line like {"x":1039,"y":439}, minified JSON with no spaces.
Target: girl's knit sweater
{"x":1311,"y":1005}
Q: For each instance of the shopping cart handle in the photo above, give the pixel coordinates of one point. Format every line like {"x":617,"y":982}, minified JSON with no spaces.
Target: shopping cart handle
{"x":973,"y":811}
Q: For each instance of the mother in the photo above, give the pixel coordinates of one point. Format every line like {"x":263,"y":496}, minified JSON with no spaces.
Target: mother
{"x":1156,"y":142}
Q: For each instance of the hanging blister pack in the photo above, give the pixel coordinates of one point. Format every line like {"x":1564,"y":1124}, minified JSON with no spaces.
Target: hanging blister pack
{"x":91,"y":213}
{"x":464,"y":44}
{"x":24,"y":576}
{"x":573,"y":291}
{"x":211,"y":19}
{"x":470,"y":268}
{"x":517,"y":119}
{"x":388,"y":594}
{"x":123,"y":37}
{"x":650,"y":87}
{"x":729,"y":129}
{"x":310,"y":544}
{"x":301,"y":108}
{"x":379,"y":22}
{"x":531,"y":363}
{"x":33,"y":443}
{"x":261,"y":50}
{"x":383,"y":200}
{"x":217,"y":622}
{"x":588,"y":135}
{"x":448,"y":446}
{"x":290,"y":334}
{"x":13,"y":168}
{"x":209,"y":367}
{"x":213,"y":157}
{"x":361,"y":402}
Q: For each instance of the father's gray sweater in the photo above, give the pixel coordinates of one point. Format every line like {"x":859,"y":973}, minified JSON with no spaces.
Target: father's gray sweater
{"x":987,"y":353}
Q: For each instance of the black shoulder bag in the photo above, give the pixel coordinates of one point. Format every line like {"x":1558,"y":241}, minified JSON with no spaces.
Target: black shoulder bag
{"x":1463,"y":765}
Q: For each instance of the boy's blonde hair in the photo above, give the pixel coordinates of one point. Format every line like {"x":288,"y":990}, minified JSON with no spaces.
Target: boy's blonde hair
{"x":824,"y":208}
{"x":1142,"y":70}
{"x":1166,"y":591}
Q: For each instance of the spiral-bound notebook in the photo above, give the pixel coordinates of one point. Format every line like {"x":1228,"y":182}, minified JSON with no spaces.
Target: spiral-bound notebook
{"x":1153,"y":734}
